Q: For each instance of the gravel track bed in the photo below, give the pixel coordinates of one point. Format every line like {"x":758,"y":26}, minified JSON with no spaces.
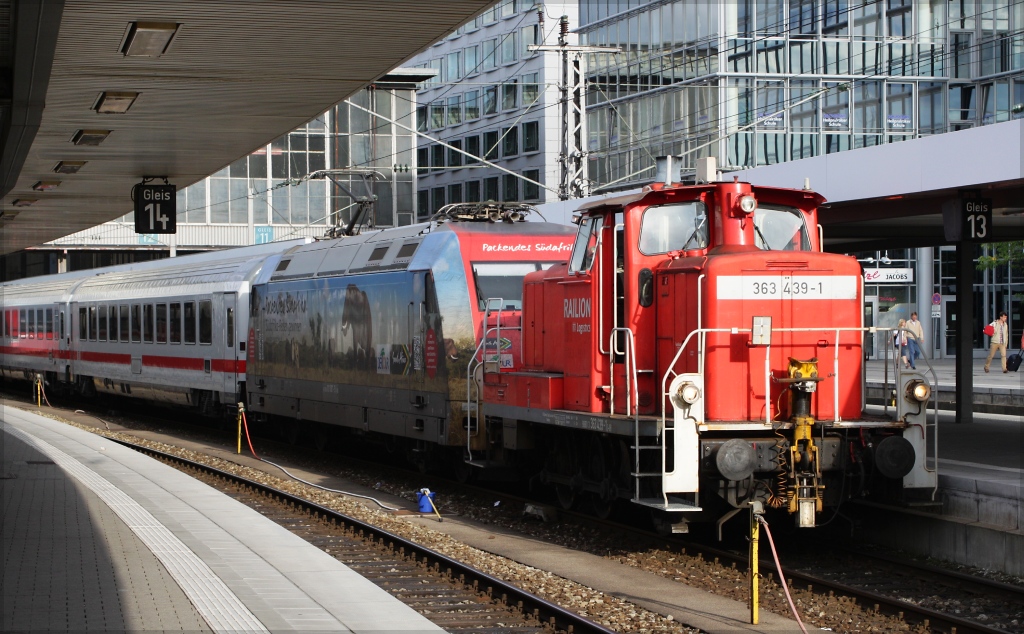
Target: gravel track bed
{"x":818,"y":611}
{"x":609,"y":611}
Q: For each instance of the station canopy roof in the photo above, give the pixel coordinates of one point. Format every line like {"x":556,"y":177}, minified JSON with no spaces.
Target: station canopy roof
{"x":97,"y":94}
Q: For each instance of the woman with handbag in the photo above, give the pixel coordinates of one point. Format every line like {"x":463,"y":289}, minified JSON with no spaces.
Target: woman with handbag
{"x":1000,"y":337}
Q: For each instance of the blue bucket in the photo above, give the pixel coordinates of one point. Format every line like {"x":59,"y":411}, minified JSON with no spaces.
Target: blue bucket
{"x":424,"y":501}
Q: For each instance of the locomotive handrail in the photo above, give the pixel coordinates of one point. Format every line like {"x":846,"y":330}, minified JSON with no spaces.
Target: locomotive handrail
{"x":701,"y":334}
{"x":630,"y":354}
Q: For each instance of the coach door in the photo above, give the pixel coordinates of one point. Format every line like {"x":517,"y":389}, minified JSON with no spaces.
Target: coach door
{"x":60,"y":329}
{"x":226,"y":327}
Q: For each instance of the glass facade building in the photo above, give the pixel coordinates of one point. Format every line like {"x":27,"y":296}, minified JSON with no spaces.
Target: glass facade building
{"x":493,"y":99}
{"x":756,"y":82}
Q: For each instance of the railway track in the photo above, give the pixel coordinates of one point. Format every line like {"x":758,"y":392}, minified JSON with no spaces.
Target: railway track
{"x":452,"y":595}
{"x":861,"y":589}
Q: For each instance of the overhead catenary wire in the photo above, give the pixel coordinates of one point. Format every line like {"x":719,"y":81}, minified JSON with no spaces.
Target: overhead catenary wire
{"x":643,"y":142}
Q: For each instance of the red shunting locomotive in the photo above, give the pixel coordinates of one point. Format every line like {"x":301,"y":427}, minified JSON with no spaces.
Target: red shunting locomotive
{"x":697,"y":354}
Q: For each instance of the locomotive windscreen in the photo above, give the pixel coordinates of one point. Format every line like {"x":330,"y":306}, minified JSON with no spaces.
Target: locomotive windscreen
{"x":503,"y":280}
{"x":780,"y":229}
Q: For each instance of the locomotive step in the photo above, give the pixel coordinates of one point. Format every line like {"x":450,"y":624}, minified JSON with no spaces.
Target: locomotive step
{"x":674,"y":504}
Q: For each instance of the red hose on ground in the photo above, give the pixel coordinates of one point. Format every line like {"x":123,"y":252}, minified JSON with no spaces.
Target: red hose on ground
{"x":245,"y":424}
{"x":782,"y":579}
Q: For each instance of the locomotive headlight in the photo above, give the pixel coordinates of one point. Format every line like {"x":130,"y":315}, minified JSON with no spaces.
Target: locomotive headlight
{"x":689,"y":393}
{"x":748,"y":204}
{"x":919,"y":391}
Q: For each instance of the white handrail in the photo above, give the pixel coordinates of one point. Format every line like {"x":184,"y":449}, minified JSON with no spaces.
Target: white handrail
{"x":630,"y":355}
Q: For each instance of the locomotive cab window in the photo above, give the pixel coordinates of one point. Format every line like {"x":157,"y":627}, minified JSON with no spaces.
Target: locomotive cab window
{"x":779,"y":228}
{"x":585,"y":247}
{"x":504,"y":280}
{"x":675,"y":227}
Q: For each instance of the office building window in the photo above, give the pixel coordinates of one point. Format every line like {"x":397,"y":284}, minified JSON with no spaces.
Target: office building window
{"x":422,"y":159}
{"x":421,"y":118}
{"x":510,"y":141}
{"x":472,"y":147}
{"x":531,"y":136}
{"x":472,"y":101}
{"x":454,"y":156}
{"x":455,"y":193}
{"x":437,"y":115}
{"x":490,"y":100}
{"x":473,"y":192}
{"x":471,"y":58}
{"x":436,"y":199}
{"x":510,"y":188}
{"x":454,"y":66}
{"x":531,"y":90}
{"x":455,"y":110}
{"x":488,"y":54}
{"x":437,"y":156}
{"x":531,"y":191}
{"x":509,"y":95}
{"x":491,"y":145}
{"x":491,"y":188}
{"x":509,"y":49}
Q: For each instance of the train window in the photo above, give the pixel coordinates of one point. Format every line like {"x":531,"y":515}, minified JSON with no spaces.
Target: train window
{"x":124,"y":323}
{"x":190,"y":322}
{"x":49,"y":323}
{"x":62,"y":324}
{"x":585,"y":248}
{"x":101,"y":320}
{"x":31,"y":324}
{"x":780,"y":229}
{"x":503,"y":281}
{"x":83,"y":323}
{"x":7,"y":323}
{"x":147,"y":323}
{"x":94,"y":329}
{"x":676,"y":227}
{"x":40,"y":328}
{"x":161,"y":323}
{"x":136,"y":323}
{"x":111,"y":323}
{"x":378,"y":253}
{"x":23,"y":323}
{"x":175,"y":323}
{"x":205,"y":322}
{"x":231,"y":327}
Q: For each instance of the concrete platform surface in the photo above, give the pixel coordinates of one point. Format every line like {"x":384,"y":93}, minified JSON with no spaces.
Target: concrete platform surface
{"x":177,"y":551}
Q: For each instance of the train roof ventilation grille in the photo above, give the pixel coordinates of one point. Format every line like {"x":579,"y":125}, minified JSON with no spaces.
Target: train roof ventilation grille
{"x":283,"y":265}
{"x":378,"y":253}
{"x":786,"y":264}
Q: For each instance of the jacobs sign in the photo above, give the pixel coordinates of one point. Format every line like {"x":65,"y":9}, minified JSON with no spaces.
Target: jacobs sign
{"x":888,"y":276}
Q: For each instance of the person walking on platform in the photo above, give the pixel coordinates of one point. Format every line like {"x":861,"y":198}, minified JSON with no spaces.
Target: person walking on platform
{"x":899,"y":341}
{"x":1000,"y":337}
{"x":914,"y":342}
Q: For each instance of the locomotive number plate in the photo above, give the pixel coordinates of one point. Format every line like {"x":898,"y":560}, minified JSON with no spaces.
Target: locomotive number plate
{"x":787,"y":287}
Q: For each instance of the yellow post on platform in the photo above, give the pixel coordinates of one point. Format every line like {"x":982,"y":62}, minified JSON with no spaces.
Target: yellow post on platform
{"x":755,"y":533}
{"x":239,"y":451}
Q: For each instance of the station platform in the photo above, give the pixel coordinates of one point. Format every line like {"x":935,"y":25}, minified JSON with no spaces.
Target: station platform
{"x":994,"y":392}
{"x":981,"y":474}
{"x":99,"y":537}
